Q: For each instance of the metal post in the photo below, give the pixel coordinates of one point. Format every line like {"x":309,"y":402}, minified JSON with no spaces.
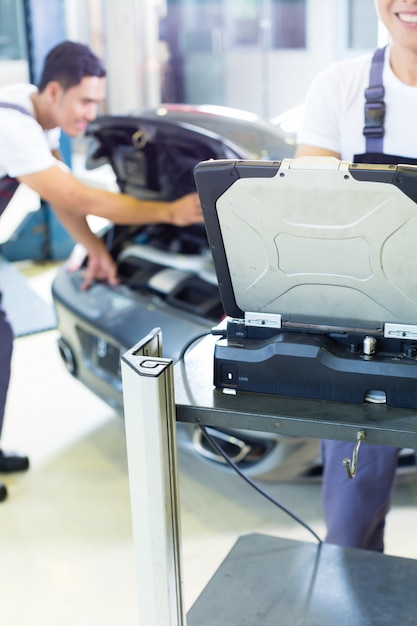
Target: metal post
{"x":148,"y":396}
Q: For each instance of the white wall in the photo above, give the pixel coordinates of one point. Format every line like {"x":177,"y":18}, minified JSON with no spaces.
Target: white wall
{"x":271,"y":83}
{"x":14,"y":72}
{"x":266,"y":82}
{"x":131,"y":54}
{"x":124,"y":35}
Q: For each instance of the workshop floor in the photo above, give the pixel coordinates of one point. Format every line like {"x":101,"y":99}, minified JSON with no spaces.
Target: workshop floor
{"x":67,"y":555}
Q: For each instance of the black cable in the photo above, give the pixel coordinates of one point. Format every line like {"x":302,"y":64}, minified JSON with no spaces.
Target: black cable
{"x":228,"y":460}
{"x":219,"y":449}
{"x":188,"y":345}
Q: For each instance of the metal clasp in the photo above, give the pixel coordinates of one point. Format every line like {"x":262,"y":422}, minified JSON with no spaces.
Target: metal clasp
{"x":352,"y":467}
{"x":140,"y":138}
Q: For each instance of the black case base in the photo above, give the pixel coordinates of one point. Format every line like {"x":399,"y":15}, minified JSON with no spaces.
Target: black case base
{"x":314,"y":366}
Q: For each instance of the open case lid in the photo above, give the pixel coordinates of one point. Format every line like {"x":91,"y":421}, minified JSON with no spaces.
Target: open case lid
{"x":314,"y":242}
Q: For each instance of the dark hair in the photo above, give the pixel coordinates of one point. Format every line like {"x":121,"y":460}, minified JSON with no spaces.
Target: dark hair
{"x":68,"y":63}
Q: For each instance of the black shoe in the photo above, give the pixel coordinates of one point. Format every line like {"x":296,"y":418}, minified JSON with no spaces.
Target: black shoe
{"x":3,"y":492}
{"x":12,"y":462}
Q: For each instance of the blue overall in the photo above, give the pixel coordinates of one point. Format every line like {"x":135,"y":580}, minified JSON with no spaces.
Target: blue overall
{"x":355,"y":509}
{"x":7,"y":188}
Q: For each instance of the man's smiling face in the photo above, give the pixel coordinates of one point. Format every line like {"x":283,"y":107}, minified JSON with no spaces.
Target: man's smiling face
{"x":76,"y":107}
{"x":400,"y":18}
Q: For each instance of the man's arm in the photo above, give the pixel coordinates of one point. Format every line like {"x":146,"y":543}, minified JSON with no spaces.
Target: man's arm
{"x":65,"y":193}
{"x":303,"y":150}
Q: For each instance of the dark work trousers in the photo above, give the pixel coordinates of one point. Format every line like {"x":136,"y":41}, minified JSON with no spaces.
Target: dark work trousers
{"x":355,"y":508}
{"x":7,"y":188}
{"x":6,"y":348}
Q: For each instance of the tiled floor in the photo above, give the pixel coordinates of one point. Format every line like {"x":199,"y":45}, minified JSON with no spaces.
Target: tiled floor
{"x":67,"y":555}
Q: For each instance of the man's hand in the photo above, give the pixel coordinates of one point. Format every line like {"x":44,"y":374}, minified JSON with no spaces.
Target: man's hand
{"x":100,"y":265}
{"x":186,"y":210}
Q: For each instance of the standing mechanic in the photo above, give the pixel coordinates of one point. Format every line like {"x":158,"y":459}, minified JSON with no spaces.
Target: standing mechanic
{"x":364,"y":110}
{"x":31,"y":118}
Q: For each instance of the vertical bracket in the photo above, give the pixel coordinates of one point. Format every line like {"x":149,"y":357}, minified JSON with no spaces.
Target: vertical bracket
{"x":148,"y":396}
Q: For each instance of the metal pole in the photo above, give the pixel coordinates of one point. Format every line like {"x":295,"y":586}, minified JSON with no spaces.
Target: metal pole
{"x":148,"y":395}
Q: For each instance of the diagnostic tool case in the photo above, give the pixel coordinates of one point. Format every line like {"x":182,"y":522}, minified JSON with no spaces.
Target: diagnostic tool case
{"x":316,"y":261}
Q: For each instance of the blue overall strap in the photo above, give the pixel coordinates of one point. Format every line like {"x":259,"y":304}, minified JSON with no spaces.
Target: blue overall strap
{"x":375,"y":105}
{"x":9,"y":185}
{"x":16,"y":107}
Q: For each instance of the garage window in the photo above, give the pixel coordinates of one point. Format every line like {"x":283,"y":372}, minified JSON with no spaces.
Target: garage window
{"x":12,"y":32}
{"x":288,"y":23}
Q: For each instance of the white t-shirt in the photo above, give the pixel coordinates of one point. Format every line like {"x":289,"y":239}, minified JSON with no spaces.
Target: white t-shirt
{"x":25,"y":147}
{"x":334,"y":110}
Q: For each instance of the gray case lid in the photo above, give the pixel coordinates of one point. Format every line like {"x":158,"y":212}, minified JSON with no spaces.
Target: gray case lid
{"x":317,"y":241}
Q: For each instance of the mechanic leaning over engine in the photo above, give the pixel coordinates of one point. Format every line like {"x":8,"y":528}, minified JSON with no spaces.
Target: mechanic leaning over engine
{"x":71,"y":87}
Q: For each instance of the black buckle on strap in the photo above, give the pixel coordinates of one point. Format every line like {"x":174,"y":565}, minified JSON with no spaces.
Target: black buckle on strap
{"x":374,"y":119}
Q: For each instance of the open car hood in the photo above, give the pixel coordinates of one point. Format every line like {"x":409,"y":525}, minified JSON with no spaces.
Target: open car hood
{"x":153,"y":158}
